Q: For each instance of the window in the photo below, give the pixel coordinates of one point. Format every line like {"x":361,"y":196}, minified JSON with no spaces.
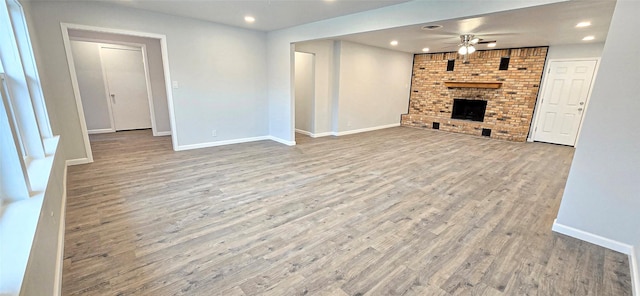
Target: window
{"x":27,"y":147}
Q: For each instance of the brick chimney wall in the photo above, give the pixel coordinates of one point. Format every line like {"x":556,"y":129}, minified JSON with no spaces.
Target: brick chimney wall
{"x":509,"y":108}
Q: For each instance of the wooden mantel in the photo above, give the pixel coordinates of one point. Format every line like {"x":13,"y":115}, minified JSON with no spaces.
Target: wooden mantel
{"x":473,"y":84}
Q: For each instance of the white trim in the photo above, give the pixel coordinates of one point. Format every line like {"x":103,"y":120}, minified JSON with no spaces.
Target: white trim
{"x":76,"y":90}
{"x":319,"y":135}
{"x":310,"y":134}
{"x":105,"y":82}
{"x":592,"y":238}
{"x":78,"y":161}
{"x":161,"y":134}
{"x":101,"y":131}
{"x":304,"y":132}
{"x":147,"y":77}
{"x":543,"y":81}
{"x":635,"y":273}
{"x":368,"y":129}
{"x":281,"y":141}
{"x":165,"y":66}
{"x":221,"y":143}
{"x":57,"y":282}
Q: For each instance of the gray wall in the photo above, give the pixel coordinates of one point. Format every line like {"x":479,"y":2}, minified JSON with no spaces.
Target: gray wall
{"x":373,"y":86}
{"x":304,"y":91}
{"x":357,"y":86}
{"x":602,"y":196}
{"x":86,"y":57}
{"x":221,"y":71}
{"x":156,"y":71}
{"x":323,"y":50}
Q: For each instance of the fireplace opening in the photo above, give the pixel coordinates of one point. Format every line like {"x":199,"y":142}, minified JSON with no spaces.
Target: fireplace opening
{"x":469,"y":109}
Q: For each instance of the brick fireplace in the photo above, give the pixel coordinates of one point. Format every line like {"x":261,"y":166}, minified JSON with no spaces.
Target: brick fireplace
{"x":510,"y":94}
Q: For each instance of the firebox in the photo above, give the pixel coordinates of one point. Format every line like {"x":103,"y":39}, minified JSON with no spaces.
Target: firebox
{"x":469,"y":109}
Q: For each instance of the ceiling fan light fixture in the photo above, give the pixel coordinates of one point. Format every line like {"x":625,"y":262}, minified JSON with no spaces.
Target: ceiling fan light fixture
{"x":462,"y":50}
{"x":471,"y":49}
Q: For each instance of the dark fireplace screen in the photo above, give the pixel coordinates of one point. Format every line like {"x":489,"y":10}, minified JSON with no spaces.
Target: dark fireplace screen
{"x":469,"y":109}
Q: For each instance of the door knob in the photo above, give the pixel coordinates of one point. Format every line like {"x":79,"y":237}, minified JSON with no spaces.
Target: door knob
{"x":581,"y":103}
{"x":113,"y":98}
{"x":579,"y":109}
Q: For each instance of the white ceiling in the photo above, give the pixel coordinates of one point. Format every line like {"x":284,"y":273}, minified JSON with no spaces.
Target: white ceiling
{"x":269,"y":14}
{"x":552,"y":24}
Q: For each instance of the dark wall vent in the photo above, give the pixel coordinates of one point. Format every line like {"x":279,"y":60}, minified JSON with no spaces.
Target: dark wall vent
{"x":486,"y":132}
{"x":504,"y":63}
{"x":451,"y":64}
{"x":435,"y":125}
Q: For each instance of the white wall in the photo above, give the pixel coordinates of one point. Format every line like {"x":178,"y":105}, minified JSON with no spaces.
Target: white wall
{"x":323,"y":51}
{"x":304,"y":91}
{"x":221,"y":71}
{"x":409,"y":13}
{"x":43,"y":275}
{"x":602,"y":195}
{"x":154,"y":64}
{"x":575,"y":51}
{"x":373,"y":88}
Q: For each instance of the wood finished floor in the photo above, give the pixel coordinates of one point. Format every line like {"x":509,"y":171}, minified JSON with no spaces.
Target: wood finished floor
{"x":393,"y":212}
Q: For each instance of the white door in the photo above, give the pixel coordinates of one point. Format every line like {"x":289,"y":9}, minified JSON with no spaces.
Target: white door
{"x":564,"y":98}
{"x":126,"y":87}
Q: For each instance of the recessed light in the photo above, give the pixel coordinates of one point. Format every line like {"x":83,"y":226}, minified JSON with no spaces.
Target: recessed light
{"x":249,"y":19}
{"x":426,"y":49}
{"x":394,"y":42}
{"x":583,"y":24}
{"x":588,"y":38}
{"x":492,"y":44}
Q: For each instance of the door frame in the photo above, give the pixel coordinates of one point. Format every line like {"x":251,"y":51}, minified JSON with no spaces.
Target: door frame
{"x":545,"y":76}
{"x":65,"y":27}
{"x":143,"y":50}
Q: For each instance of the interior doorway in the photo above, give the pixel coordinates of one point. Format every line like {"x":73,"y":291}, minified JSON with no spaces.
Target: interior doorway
{"x":564,"y":100}
{"x":114,"y":86}
{"x":118,"y":58}
{"x":304,"y":93}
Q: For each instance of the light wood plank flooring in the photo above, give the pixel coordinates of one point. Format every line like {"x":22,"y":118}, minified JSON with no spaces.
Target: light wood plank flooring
{"x":393,"y":212}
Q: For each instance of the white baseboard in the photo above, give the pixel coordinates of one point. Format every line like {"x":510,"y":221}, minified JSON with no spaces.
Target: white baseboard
{"x":635,"y":273}
{"x":78,"y":161}
{"x":57,"y":288}
{"x":221,"y":143}
{"x":282,"y":141}
{"x":592,"y":238}
{"x":160,"y":134}
{"x":318,"y":135}
{"x":304,"y":132}
{"x":368,"y":129}
{"x":101,"y":131}
{"x":609,"y":244}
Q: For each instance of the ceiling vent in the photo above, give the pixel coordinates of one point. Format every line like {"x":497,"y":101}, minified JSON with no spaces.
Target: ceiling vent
{"x":431,"y":27}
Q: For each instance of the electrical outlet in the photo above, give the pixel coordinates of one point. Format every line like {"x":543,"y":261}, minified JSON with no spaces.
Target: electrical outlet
{"x":214,"y":133}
